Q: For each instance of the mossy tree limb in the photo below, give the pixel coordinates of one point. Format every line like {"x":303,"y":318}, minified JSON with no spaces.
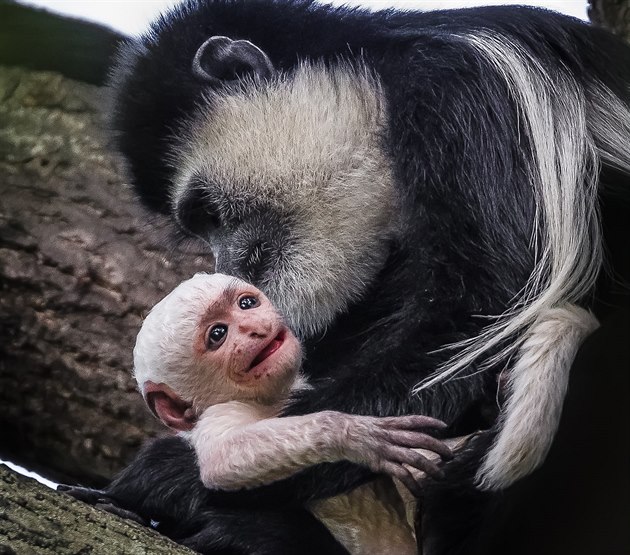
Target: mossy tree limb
{"x":35,"y":520}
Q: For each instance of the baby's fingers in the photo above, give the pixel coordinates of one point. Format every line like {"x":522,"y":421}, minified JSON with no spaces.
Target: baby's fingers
{"x":413,"y":422}
{"x":413,"y":458}
{"x":418,"y":440}
{"x":404,"y":476}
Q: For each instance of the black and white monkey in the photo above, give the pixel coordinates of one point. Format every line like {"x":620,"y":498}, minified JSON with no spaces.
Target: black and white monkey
{"x":418,"y":195}
{"x":216,"y":363}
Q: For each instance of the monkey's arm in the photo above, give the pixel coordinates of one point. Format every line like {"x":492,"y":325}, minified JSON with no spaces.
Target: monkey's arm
{"x":275,"y":448}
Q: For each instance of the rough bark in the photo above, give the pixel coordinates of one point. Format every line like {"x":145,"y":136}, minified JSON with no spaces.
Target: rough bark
{"x":80,"y":263}
{"x":613,"y":15}
{"x":35,"y":520}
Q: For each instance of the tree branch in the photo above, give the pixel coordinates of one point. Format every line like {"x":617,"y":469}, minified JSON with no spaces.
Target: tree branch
{"x":37,"y":520}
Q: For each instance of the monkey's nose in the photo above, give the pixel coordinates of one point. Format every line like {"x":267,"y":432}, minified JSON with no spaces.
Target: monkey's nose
{"x":255,"y":330}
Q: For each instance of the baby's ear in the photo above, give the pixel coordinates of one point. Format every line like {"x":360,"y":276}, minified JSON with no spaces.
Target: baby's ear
{"x":169,"y":407}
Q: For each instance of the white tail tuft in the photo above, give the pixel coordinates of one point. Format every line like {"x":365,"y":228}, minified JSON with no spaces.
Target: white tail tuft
{"x":536,"y":387}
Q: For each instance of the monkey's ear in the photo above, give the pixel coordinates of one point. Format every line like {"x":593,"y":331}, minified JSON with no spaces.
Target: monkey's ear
{"x":222,"y":59}
{"x":169,"y":407}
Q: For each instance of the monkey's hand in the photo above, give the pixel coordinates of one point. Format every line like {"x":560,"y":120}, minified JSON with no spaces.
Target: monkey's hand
{"x":101,"y":500}
{"x":87,"y":495}
{"x":390,"y":445}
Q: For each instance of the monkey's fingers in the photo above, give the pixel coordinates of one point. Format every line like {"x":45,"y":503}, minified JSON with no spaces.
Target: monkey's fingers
{"x":403,"y":475}
{"x":87,"y":495}
{"x":413,"y":458}
{"x":122,"y":513}
{"x":99,"y":499}
{"x":413,"y":422}
{"x":418,"y":440}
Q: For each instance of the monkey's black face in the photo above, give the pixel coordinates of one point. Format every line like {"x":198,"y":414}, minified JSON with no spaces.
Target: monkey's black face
{"x":249,"y":239}
{"x":287,"y":182}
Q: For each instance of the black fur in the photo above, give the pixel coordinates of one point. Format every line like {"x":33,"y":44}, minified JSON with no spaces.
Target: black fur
{"x":466,"y":211}
{"x":211,"y":522}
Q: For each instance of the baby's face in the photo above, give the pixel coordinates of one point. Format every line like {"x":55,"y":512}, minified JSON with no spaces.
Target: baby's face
{"x":213,"y":339}
{"x":243,"y":346}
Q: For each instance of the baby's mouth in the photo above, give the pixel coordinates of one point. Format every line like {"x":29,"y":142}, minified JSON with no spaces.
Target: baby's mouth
{"x":269,"y":349}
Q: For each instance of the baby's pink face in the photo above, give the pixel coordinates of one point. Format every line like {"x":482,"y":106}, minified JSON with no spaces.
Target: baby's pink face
{"x":218,"y":339}
{"x":242,"y":335}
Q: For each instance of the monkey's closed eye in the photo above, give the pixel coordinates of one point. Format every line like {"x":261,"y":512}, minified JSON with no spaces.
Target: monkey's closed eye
{"x":195,"y":212}
{"x":248,"y":302}
{"x":215,"y":336}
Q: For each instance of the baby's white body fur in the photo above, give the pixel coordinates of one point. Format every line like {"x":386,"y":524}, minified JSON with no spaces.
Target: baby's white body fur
{"x":233,"y":450}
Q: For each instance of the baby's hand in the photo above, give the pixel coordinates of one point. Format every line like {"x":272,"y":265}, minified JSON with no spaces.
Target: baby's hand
{"x":387,"y":445}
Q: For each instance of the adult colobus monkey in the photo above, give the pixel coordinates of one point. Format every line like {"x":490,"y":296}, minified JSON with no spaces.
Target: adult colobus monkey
{"x":416,"y":192}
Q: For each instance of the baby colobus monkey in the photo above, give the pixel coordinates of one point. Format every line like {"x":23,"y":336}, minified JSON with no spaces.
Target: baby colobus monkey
{"x":215,"y":361}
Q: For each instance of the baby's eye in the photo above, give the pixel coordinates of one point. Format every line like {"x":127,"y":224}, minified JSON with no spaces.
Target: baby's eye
{"x":216,"y":335}
{"x":248,"y":302}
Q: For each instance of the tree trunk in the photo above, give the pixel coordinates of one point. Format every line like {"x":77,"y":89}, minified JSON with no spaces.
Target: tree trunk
{"x":35,"y":520}
{"x":80,"y":263}
{"x":613,"y":15}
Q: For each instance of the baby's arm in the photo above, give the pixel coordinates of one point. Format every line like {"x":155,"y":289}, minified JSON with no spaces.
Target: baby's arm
{"x":237,"y":447}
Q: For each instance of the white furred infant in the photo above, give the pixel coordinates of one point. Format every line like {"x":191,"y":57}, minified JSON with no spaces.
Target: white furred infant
{"x":215,"y":361}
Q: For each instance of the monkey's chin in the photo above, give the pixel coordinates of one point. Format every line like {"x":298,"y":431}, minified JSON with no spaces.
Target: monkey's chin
{"x":273,"y":379}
